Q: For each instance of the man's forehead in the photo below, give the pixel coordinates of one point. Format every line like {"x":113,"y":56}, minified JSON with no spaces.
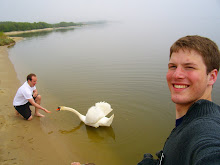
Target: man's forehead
{"x":34,"y":78}
{"x":186,"y":52}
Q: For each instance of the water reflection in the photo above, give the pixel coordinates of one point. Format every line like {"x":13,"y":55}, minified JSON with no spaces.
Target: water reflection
{"x":44,"y":33}
{"x":96,"y":135}
{"x":64,"y":30}
{"x":101,"y":134}
{"x":72,"y":130}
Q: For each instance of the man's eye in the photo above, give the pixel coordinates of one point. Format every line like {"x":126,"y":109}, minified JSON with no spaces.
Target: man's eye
{"x":172,"y":67}
{"x":190,"y":67}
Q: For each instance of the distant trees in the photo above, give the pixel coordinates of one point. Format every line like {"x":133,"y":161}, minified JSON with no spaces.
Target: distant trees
{"x":66,"y":24}
{"x":23,"y":26}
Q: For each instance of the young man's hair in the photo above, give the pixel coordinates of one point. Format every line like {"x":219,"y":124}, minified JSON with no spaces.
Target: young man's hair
{"x":204,"y":46}
{"x":29,"y":77}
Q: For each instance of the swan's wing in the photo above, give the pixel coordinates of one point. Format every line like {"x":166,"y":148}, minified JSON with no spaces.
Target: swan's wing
{"x":105,"y":121}
{"x":93,"y":115}
{"x":104,"y":107}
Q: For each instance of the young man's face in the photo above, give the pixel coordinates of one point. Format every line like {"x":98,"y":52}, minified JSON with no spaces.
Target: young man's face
{"x":187,"y":78}
{"x":33,"y":82}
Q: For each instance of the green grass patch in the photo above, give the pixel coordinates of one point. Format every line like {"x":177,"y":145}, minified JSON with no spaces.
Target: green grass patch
{"x":5,"y":40}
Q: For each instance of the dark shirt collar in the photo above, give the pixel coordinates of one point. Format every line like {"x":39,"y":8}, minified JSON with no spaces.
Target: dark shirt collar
{"x":199,"y":109}
{"x":179,"y":121}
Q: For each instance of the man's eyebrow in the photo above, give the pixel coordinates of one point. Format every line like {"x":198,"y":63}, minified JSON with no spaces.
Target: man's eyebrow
{"x":189,"y":63}
{"x":171,"y":63}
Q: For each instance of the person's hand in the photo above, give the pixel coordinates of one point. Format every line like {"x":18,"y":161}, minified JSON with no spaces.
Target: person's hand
{"x":148,"y":160}
{"x":47,"y":111}
{"x":75,"y":163}
{"x":35,"y":94}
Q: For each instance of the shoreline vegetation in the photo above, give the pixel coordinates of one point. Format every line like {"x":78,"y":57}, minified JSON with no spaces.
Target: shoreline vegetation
{"x":8,"y":29}
{"x":5,"y":40}
{"x":26,"y":26}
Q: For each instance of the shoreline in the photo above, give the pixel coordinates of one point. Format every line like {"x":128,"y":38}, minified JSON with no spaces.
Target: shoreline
{"x":22,"y":142}
{"x":27,"y":31}
{"x":37,"y":30}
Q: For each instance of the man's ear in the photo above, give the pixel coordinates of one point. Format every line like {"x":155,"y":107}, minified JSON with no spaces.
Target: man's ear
{"x":212,"y":77}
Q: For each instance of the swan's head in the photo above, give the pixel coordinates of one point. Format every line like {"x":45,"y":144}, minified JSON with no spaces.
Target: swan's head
{"x":60,"y":108}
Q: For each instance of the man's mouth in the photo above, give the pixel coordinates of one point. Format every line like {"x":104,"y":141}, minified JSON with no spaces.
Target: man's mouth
{"x":180,"y":86}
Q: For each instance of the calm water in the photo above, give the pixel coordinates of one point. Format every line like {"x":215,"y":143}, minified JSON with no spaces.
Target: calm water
{"x":122,"y":64}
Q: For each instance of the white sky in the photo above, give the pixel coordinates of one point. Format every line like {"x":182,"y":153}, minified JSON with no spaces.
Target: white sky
{"x":54,"y":11}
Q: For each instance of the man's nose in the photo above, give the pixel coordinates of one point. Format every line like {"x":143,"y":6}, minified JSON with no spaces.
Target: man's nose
{"x":179,"y":73}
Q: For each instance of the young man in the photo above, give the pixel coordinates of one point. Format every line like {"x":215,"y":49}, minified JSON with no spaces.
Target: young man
{"x":27,"y":95}
{"x":192,"y":72}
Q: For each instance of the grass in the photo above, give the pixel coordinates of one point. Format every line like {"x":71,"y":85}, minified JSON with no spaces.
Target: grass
{"x":5,"y":40}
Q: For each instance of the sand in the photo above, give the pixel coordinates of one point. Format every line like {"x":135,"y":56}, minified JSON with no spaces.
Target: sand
{"x":38,"y":30}
{"x":22,"y":142}
{"x":28,"y":31}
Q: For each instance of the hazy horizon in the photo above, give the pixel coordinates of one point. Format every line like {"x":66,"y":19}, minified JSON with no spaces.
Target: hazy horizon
{"x":53,"y":11}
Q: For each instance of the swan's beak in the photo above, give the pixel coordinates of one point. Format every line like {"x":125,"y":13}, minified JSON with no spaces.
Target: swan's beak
{"x":58,"y":109}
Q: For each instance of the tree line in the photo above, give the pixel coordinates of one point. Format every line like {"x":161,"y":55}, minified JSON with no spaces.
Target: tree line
{"x":23,"y":26}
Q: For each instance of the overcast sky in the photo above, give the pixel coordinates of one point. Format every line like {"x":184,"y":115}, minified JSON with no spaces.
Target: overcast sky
{"x":53,"y":11}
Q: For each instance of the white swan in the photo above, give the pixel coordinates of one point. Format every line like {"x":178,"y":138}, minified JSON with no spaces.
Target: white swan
{"x":95,"y":116}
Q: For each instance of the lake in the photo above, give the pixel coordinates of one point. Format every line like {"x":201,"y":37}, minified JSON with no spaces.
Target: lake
{"x":121,"y":63}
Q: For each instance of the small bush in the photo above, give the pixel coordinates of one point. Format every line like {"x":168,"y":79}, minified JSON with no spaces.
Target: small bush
{"x":5,"y":40}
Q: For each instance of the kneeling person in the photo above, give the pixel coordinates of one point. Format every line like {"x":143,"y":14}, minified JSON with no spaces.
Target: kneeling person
{"x":27,"y":95}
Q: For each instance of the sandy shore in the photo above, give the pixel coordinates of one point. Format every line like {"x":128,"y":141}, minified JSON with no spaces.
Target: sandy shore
{"x":38,"y":30}
{"x":22,"y":142}
{"x":28,"y":31}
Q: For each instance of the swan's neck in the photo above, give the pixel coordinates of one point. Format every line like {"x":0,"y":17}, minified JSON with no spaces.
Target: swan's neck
{"x":82,"y":117}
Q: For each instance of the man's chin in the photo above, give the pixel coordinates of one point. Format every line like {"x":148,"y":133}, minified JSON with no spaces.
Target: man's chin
{"x":179,"y":100}
{"x":182,"y":102}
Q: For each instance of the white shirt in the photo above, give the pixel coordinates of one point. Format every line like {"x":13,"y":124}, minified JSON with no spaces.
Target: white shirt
{"x":23,"y":94}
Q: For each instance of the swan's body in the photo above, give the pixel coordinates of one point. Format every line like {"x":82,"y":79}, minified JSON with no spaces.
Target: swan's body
{"x":96,"y":115}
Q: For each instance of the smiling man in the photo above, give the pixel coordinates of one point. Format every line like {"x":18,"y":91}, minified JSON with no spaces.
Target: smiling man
{"x":28,"y":95}
{"x":188,"y":79}
{"x":192,"y":71}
